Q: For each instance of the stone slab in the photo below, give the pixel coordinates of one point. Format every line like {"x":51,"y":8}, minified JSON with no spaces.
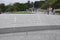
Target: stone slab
{"x":35,"y":35}
{"x":11,"y":23}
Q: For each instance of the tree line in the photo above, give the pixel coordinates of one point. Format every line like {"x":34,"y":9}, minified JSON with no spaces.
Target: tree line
{"x":23,"y":6}
{"x":20,"y":6}
{"x":53,"y":3}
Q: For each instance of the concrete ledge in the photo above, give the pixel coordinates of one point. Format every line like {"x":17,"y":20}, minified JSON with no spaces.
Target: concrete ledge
{"x":30,"y":28}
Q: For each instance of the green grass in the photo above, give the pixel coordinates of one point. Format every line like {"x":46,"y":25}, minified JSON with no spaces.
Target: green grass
{"x":22,"y":12}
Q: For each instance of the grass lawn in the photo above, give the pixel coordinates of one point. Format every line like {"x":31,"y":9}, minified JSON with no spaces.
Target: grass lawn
{"x":22,"y":12}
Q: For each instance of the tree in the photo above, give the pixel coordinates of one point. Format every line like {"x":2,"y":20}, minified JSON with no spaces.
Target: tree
{"x":38,"y":4}
{"x":52,"y":3}
{"x":16,"y":6}
{"x":20,"y":6}
{"x":28,"y":4}
{"x":57,"y":4}
{"x":2,"y":7}
{"x":9,"y":8}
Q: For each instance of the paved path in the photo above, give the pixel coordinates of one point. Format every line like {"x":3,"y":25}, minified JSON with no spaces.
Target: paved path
{"x":36,"y":35}
{"x":26,"y":20}
{"x":11,"y":23}
{"x":21,"y":20}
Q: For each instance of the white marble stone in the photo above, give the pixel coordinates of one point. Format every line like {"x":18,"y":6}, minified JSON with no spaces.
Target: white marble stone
{"x":23,"y":20}
{"x":35,"y":35}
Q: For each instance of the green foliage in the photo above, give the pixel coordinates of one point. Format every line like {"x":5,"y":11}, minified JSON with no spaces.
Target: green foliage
{"x":9,"y":8}
{"x":2,"y":7}
{"x":44,"y":6}
{"x":20,"y":6}
{"x":16,"y":7}
{"x":52,"y":3}
{"x":38,"y":4}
